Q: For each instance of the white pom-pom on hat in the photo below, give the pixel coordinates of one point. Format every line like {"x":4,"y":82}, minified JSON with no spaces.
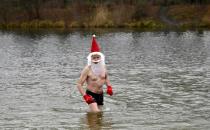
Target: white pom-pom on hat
{"x":94,"y":35}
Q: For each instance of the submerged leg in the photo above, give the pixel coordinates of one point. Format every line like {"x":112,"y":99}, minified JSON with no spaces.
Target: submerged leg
{"x":94,"y":107}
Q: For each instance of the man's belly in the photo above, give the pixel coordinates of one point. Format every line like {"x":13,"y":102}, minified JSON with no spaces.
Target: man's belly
{"x":96,"y":87}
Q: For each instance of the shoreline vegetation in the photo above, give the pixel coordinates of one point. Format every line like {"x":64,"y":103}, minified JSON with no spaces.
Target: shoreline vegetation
{"x":67,"y":14}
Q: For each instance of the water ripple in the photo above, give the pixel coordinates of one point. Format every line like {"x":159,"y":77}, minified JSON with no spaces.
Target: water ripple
{"x":160,"y":80}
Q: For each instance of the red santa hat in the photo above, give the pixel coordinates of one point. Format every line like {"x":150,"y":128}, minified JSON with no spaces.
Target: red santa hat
{"x":95,"y":49}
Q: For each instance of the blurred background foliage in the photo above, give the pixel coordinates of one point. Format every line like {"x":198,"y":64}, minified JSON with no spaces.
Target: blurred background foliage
{"x":102,"y":13}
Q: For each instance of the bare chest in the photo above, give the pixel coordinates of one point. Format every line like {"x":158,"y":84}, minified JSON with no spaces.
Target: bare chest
{"x":96,"y":78}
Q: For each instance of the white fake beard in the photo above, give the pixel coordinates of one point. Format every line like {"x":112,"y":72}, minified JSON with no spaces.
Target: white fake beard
{"x":98,"y":69}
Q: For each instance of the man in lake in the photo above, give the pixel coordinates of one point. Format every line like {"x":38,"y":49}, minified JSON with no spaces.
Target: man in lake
{"x":95,"y":75}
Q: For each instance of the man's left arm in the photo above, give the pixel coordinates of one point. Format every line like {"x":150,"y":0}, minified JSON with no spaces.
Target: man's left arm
{"x":109,"y":87}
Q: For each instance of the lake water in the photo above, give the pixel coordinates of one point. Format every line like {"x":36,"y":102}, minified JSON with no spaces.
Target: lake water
{"x":161,"y":80}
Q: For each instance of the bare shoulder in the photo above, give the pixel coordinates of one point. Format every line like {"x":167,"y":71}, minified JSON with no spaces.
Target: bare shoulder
{"x":86,"y":69}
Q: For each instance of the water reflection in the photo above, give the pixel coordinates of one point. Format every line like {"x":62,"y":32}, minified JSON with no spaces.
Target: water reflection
{"x":168,"y":49}
{"x":96,"y":121}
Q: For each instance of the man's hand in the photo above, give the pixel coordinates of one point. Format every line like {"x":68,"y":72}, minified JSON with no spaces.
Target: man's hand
{"x":109,"y":90}
{"x":88,"y":99}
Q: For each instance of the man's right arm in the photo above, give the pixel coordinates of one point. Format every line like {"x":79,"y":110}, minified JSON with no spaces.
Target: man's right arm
{"x":81,"y":80}
{"x":88,"y":99}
